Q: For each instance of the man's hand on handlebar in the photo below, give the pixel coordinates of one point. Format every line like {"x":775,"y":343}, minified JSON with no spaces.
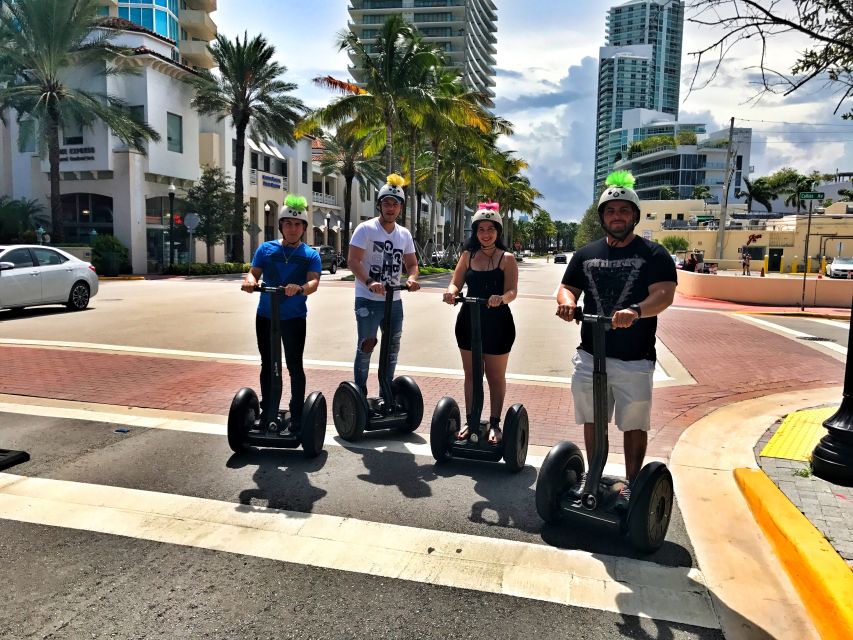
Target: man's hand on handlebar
{"x":292,"y":290}
{"x":376,"y":287}
{"x":248,"y":286}
{"x":412,"y":284}
{"x":623,"y":319}
{"x":566,"y":311}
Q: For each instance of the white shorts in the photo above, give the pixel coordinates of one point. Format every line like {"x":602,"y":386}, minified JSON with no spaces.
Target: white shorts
{"x":629,"y":391}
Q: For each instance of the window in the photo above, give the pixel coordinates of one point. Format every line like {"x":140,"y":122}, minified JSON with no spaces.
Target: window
{"x":27,"y":136}
{"x":174,"y":132}
{"x":48,"y":257}
{"x":20,"y":257}
{"x":253,"y":160}
{"x":266,"y":164}
{"x":304,"y":172}
{"x":72,"y":133}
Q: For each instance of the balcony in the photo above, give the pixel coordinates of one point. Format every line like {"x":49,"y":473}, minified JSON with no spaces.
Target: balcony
{"x":198,"y":24}
{"x":322,"y":198}
{"x":197,"y":53}
{"x":204,"y":5}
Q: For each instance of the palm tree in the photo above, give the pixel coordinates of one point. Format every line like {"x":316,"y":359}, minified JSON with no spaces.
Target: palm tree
{"x":845,"y":195}
{"x":701,"y":192}
{"x":393,"y":69}
{"x":667,"y":193}
{"x":249,"y":88}
{"x":760,"y":190}
{"x":344,"y":153}
{"x":40,"y":41}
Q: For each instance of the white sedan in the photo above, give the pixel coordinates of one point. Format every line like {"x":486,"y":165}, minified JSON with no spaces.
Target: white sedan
{"x":32,"y":275}
{"x":840,"y":268}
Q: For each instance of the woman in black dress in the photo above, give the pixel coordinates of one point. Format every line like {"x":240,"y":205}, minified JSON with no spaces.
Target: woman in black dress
{"x":490,"y":271}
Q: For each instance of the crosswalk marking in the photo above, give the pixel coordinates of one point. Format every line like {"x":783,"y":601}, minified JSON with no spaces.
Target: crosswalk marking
{"x":520,"y":569}
{"x":660,"y":375}
{"x":783,"y":330}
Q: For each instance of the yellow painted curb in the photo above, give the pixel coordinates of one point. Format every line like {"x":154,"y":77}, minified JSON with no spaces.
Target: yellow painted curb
{"x":820,"y":575}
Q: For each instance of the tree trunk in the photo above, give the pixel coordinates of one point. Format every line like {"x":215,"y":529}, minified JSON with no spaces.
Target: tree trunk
{"x":433,"y":209}
{"x":389,"y":148}
{"x":57,"y":233}
{"x":347,"y":213}
{"x":413,"y":149}
{"x":237,"y":222}
{"x":209,"y":252}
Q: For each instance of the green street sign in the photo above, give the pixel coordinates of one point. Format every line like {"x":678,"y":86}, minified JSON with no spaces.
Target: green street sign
{"x":811,"y":195}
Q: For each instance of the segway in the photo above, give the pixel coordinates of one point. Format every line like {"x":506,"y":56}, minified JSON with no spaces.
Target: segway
{"x":400,"y":405}
{"x":446,"y":419}
{"x":245,"y":428}
{"x":559,"y":494}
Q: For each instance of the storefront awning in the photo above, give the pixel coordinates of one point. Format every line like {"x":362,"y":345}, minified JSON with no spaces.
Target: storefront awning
{"x":252,"y":145}
{"x":266,"y":149}
{"x":277,"y":153}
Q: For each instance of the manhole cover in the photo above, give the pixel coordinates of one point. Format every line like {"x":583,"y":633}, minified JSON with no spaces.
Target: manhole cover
{"x":815,"y":339}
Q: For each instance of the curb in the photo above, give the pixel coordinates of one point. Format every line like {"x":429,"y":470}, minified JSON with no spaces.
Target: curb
{"x":820,"y":575}
{"x":101,"y":278}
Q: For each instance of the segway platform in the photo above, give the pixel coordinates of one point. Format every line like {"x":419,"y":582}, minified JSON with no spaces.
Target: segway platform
{"x":9,"y":458}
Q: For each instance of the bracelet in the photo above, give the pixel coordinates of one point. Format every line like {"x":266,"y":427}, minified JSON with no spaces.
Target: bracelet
{"x":301,"y":290}
{"x":369,"y":282}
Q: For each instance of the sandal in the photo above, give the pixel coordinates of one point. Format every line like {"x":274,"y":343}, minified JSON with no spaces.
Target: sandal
{"x":465,"y":433}
{"x":495,"y":433}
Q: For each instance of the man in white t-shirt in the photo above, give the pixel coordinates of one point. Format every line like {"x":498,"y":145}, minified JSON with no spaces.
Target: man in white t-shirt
{"x":378,"y":250}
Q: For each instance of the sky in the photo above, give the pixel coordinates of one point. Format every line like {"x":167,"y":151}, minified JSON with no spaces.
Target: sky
{"x":546,"y":83}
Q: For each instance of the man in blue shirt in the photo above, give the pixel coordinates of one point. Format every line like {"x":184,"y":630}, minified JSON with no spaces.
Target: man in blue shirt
{"x":294,"y":266}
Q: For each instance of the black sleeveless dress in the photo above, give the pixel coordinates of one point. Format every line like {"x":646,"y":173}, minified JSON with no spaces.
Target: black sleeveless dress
{"x":496,"y":324}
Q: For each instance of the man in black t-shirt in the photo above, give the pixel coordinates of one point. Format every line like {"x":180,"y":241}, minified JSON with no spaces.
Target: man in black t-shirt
{"x":632,"y":280}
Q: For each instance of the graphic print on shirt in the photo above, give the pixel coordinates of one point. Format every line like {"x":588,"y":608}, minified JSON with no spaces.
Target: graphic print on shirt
{"x":611,"y":281}
{"x":386,"y":263}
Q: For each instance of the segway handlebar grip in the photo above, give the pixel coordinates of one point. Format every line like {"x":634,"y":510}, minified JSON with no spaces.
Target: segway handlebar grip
{"x":397,"y":287}
{"x":471,"y":300}
{"x":265,"y":288}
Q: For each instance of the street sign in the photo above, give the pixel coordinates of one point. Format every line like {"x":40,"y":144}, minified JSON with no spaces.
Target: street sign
{"x":191,"y":221}
{"x":811,"y":195}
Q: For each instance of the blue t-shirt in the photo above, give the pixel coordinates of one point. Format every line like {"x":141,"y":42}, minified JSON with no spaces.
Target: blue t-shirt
{"x":282,"y":266}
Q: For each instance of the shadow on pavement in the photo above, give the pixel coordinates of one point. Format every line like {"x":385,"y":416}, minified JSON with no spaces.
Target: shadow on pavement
{"x":37,"y":312}
{"x":583,"y":537}
{"x":281,"y":478}
{"x":400,"y":470}
{"x":509,"y":498}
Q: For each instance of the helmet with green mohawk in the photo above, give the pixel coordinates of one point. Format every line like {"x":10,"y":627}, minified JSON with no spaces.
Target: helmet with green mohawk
{"x":295,"y":208}
{"x":620,"y":186}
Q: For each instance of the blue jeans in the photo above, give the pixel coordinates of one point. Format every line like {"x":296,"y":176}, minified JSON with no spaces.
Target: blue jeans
{"x":368,"y":318}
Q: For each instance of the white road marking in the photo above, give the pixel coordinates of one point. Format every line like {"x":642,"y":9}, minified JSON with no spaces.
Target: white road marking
{"x":782,"y":330}
{"x":659,"y":376}
{"x":525,"y":570}
{"x":216,"y":426}
{"x":832,"y":323}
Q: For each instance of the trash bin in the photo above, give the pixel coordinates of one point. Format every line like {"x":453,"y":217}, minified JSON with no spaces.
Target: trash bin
{"x":110,"y":263}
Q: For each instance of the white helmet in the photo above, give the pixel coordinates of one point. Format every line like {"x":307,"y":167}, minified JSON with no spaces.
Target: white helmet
{"x":394,"y":188}
{"x":294,"y":207}
{"x":487,"y":211}
{"x":620,"y":186}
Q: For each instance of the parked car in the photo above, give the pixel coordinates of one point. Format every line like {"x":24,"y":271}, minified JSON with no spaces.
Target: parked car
{"x":678,"y":261}
{"x":560,"y":258}
{"x":32,"y":275}
{"x":518,"y":256}
{"x":840,"y":268}
{"x":329,"y":258}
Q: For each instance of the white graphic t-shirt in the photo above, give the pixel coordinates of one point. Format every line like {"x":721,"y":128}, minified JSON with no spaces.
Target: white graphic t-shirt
{"x":383,"y":255}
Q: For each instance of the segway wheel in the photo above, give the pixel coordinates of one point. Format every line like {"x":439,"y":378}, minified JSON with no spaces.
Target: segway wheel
{"x":407,"y":395}
{"x":446,"y":422}
{"x":515,"y":437}
{"x":245,"y":408}
{"x":349,"y":411}
{"x":561,"y":471}
{"x":650,"y":507}
{"x":313,"y":424}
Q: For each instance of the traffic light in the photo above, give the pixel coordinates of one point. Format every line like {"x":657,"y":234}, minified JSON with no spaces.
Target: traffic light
{"x":179,"y":219}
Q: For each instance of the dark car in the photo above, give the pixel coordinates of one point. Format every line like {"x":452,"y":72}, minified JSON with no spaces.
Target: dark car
{"x":560,"y":258}
{"x":329,"y":258}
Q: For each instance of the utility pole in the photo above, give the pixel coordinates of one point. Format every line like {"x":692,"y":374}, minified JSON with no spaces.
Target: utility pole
{"x":727,"y":178}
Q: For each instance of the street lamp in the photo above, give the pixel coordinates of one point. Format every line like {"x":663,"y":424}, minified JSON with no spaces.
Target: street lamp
{"x":172,"y":190}
{"x":326,"y":228}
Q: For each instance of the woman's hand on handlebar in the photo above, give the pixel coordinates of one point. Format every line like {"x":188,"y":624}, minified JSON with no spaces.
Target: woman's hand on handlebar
{"x":449,"y":297}
{"x":495,"y":301}
{"x":566,"y":311}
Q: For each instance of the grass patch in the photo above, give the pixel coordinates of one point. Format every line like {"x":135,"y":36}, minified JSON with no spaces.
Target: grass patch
{"x":805,"y":472}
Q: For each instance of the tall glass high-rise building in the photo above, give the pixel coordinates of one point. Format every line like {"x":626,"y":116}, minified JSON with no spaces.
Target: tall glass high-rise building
{"x":464,"y":29}
{"x":639,"y":67}
{"x":186,"y":22}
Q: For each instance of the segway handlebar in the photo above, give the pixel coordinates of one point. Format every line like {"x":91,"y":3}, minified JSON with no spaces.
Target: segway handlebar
{"x":470,"y":299}
{"x":589,"y":318}
{"x":265,"y":288}
{"x":397,"y":287}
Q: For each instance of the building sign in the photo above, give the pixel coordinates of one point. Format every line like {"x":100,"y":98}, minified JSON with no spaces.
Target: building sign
{"x":76,"y":154}
{"x":647,"y":234}
{"x":272,"y":182}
